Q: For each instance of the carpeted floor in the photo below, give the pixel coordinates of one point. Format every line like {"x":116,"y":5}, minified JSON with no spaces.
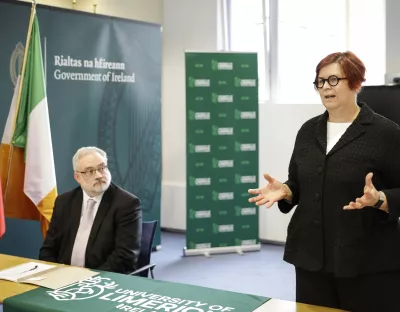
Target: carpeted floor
{"x":260,"y":273}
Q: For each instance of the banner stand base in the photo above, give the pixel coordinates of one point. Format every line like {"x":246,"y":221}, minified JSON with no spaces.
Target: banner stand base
{"x":219,"y":250}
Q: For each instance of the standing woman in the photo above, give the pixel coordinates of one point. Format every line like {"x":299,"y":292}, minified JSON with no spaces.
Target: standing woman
{"x":344,"y":178}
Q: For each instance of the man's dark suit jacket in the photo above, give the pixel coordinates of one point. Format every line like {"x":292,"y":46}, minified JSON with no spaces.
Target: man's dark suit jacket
{"x":114,"y":241}
{"x":323,"y":236}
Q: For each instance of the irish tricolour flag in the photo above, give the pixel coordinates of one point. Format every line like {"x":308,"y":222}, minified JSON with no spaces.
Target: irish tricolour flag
{"x":26,"y":155}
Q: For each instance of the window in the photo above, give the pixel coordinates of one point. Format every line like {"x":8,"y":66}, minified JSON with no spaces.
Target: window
{"x":247,"y":30}
{"x":308,"y":30}
{"x":291,"y":37}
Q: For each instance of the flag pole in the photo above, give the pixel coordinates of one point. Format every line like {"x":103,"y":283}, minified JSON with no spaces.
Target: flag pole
{"x":28,"y":38}
{"x":21,"y":82}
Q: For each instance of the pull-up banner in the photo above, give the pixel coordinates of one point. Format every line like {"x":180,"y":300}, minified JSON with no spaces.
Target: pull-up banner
{"x":222,"y":152}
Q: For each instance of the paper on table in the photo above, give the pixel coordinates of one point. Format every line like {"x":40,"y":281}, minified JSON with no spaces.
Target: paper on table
{"x":34,"y":279}
{"x":59,"y":277}
{"x":45,"y":275}
{"x":21,"y":271}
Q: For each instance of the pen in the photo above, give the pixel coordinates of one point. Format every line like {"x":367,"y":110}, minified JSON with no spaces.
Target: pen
{"x":34,"y":268}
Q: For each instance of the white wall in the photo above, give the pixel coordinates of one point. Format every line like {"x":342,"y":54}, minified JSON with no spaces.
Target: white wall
{"x":392,"y":36}
{"x":187,"y":25}
{"x":367,"y":37}
{"x":277,"y":132}
{"x":141,"y":10}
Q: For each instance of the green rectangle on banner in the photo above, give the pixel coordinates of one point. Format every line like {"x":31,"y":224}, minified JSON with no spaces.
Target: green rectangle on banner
{"x":117,"y":292}
{"x":222,"y":149}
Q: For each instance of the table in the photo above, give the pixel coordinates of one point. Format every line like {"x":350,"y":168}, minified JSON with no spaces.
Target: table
{"x":277,"y":305}
{"x":10,"y":289}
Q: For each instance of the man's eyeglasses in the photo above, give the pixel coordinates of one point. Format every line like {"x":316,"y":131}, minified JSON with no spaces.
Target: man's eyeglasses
{"x":332,"y":80}
{"x":92,"y":172}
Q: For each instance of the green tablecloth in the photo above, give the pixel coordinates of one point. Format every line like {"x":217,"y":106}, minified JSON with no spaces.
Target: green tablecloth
{"x":116,"y":292}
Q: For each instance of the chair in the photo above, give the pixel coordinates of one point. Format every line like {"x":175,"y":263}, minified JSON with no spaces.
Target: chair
{"x":144,"y":266}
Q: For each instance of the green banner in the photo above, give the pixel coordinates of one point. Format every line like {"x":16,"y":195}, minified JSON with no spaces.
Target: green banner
{"x":103,"y":81}
{"x":116,"y":292}
{"x":222,"y":149}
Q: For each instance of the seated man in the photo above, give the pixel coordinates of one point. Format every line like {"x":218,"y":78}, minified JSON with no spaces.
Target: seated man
{"x":97,"y":225}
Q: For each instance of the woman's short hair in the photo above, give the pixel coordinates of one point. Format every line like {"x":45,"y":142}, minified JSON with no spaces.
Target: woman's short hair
{"x":353,"y":68}
{"x":87,"y":150}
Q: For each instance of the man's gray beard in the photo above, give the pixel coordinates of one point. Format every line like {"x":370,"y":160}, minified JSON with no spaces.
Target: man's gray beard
{"x":102,"y":187}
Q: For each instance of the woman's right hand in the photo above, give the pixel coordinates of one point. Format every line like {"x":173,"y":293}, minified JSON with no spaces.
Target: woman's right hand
{"x":271,"y":193}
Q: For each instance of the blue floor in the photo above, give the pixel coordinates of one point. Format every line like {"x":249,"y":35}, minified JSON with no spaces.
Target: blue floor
{"x":261,"y":273}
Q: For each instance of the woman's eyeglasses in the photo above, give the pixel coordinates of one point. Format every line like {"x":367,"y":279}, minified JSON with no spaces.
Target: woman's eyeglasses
{"x":332,"y":80}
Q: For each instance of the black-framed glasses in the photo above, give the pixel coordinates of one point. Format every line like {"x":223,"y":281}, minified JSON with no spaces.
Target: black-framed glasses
{"x":92,"y":172}
{"x":332,"y":80}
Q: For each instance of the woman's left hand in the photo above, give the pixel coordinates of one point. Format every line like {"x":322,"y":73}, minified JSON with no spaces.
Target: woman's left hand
{"x":370,"y":197}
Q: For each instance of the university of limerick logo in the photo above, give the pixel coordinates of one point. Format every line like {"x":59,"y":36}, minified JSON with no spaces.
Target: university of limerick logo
{"x":215,"y":65}
{"x":86,"y":289}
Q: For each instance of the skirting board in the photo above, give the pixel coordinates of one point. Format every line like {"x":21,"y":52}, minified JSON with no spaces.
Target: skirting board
{"x":272,"y":242}
{"x":164,"y":229}
{"x":218,"y":250}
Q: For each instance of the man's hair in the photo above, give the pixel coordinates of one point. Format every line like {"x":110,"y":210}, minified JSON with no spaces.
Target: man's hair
{"x":87,"y":150}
